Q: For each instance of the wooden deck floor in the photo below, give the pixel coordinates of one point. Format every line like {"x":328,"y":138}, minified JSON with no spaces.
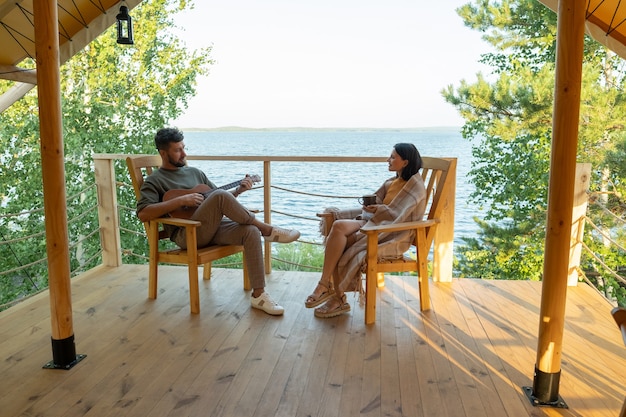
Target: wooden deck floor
{"x":469,"y":356}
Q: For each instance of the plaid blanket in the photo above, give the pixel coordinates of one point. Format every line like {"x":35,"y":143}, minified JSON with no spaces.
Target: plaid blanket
{"x":408,"y":205}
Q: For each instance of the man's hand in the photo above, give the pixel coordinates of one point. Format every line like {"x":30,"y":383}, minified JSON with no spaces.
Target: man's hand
{"x":190,"y":200}
{"x":246,"y":184}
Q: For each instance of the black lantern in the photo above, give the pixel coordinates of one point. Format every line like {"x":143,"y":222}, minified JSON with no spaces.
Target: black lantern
{"x":124,"y":27}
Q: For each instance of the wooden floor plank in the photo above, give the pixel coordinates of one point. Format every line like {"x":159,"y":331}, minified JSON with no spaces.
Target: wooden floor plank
{"x":409,"y":389}
{"x":353,"y":378}
{"x":468,"y":356}
{"x":477,"y":392}
{"x":427,"y":350}
{"x":314,"y":381}
{"x":501,"y":347}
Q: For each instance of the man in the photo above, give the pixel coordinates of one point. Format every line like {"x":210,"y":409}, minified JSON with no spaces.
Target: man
{"x":224,"y":220}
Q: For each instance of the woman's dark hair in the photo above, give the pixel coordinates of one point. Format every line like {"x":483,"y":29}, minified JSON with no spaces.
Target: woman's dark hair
{"x":409,"y":152}
{"x":167,"y":135}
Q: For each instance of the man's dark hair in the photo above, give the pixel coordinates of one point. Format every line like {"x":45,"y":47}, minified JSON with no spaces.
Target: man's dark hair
{"x":409,"y":152}
{"x":167,"y":135}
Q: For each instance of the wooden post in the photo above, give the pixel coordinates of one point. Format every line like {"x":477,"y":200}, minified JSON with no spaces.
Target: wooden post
{"x":267,"y":211}
{"x":583,"y":174}
{"x":53,"y":173}
{"x":443,"y":255}
{"x":569,"y":52}
{"x":107,"y":211}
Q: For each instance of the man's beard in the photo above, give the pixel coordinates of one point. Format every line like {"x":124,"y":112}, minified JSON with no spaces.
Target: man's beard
{"x":179,"y":163}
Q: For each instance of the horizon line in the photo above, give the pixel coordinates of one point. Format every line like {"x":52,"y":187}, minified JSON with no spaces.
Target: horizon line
{"x":235,"y":128}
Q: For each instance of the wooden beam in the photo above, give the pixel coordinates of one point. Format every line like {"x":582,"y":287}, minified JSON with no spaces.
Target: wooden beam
{"x":13,"y":73}
{"x":13,"y":94}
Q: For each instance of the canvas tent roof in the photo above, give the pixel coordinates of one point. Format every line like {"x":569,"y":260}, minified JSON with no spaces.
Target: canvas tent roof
{"x":80,"y":21}
{"x":605,"y":22}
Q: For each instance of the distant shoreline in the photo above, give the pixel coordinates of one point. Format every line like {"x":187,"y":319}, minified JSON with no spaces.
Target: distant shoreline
{"x":320,"y":129}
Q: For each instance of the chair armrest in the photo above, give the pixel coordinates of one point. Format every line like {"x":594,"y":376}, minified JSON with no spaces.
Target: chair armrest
{"x":328,"y":217}
{"x":152,"y":226}
{"x":350,"y":213}
{"x":397,"y":227}
{"x":174,"y":221}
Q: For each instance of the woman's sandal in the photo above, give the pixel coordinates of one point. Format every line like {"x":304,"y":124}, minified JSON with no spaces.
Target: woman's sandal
{"x":311,"y":301}
{"x":325,"y":312}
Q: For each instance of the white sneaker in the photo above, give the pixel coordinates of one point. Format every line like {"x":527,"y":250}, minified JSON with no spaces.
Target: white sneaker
{"x":264,"y":302}
{"x":281,"y":235}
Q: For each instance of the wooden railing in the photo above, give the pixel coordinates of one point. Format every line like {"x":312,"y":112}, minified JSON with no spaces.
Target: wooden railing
{"x":105,"y":173}
{"x":107,"y":185}
{"x":112,"y":180}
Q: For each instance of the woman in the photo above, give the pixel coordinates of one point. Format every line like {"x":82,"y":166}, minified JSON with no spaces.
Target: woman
{"x":400,"y":198}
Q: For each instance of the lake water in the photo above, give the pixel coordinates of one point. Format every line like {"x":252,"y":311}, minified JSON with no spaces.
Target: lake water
{"x":327,"y":179}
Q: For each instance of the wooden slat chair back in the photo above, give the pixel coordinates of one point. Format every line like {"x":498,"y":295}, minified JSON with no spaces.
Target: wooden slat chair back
{"x":438,"y":175}
{"x":141,"y":166}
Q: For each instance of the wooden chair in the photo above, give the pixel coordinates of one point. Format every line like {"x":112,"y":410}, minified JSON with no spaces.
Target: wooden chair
{"x":439,"y":176}
{"x":619,"y":314}
{"x":140,"y":167}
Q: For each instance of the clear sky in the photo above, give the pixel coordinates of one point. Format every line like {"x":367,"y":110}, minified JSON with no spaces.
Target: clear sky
{"x":329,"y":63}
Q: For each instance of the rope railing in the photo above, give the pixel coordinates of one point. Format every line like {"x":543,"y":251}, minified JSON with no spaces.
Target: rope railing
{"x":84,"y":238}
{"x":83,"y":191}
{"x":295,"y":216}
{"x":300,"y":265}
{"x":605,"y":263}
{"x":23,"y":267}
{"x":85,"y":264}
{"x":284,"y":261}
{"x":129,"y":252}
{"x":290,"y":190}
{"x":582,"y":274}
{"x":29,"y":277}
{"x":130,"y":231}
{"x":20,"y":300}
{"x":84,"y":214}
{"x":21,"y":213}
{"x":21,"y":239}
{"x":603,"y":233}
{"x":595,"y":202}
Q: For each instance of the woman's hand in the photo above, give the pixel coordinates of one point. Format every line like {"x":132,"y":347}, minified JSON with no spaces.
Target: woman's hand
{"x":371,"y":208}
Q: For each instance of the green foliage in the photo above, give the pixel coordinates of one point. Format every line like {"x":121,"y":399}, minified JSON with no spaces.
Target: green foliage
{"x":598,"y":274}
{"x":509,"y":114}
{"x":298,"y":257}
{"x":292,"y":257}
{"x":114,"y":98}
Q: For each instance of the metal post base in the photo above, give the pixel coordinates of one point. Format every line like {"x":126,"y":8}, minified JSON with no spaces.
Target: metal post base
{"x":559,"y":403}
{"x":63,"y":354}
{"x":52,"y":365}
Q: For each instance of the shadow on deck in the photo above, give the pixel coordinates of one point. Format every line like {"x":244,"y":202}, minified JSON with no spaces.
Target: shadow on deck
{"x":469,"y":356}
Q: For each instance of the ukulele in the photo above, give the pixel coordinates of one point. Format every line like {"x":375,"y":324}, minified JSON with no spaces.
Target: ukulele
{"x":185,"y":212}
